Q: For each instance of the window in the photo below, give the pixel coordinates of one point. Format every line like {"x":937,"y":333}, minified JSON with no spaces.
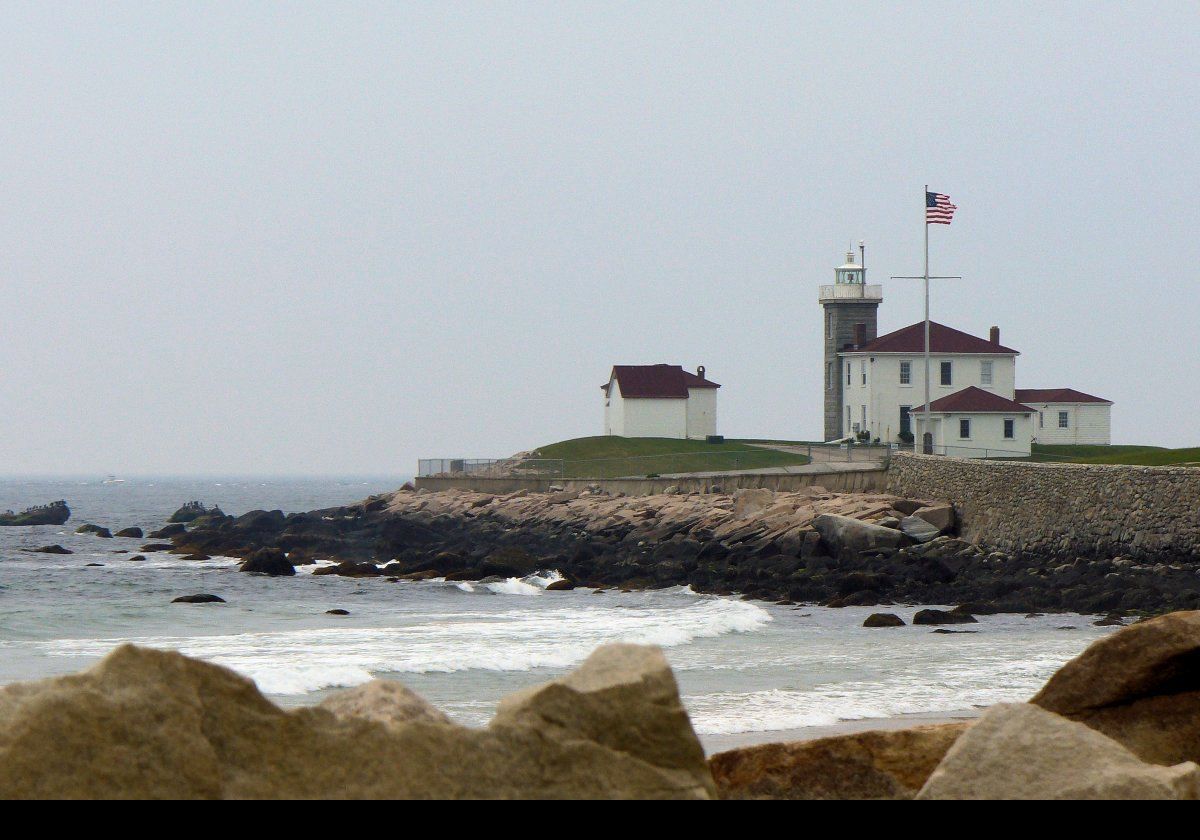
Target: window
{"x":947,"y":373}
{"x":1041,"y":419}
{"x":863,"y":365}
{"x":1062,"y":420}
{"x":964,"y":428}
{"x":849,"y":374}
{"x":985,"y":373}
{"x":864,"y":417}
{"x":847,"y":419}
{"x":1010,"y":428}
{"x":906,"y":373}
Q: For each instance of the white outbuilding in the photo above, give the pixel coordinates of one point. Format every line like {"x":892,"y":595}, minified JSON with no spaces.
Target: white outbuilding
{"x":1067,"y":416}
{"x":659,"y":401}
{"x":974,"y":423}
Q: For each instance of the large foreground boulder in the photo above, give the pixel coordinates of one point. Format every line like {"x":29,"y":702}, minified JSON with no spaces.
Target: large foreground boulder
{"x":843,"y":533}
{"x":154,"y":724}
{"x":1140,"y":686}
{"x":865,"y":765}
{"x":1020,"y":751}
{"x":387,"y":701}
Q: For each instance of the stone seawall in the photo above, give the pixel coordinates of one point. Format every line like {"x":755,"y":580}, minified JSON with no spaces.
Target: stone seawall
{"x":1063,"y":510}
{"x":856,"y":478}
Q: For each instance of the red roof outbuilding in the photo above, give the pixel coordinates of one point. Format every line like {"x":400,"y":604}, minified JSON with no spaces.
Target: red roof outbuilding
{"x":975,"y":401}
{"x":669,"y":382}
{"x":1057,"y":395}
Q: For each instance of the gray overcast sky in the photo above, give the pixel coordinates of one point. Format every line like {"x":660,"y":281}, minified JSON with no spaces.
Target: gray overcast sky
{"x":333,"y":238}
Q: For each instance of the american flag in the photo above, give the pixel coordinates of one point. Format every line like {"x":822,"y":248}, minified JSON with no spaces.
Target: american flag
{"x":938,"y":209}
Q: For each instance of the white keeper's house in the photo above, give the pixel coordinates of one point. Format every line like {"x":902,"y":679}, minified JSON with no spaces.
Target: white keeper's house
{"x":875,"y":385}
{"x":659,"y":401}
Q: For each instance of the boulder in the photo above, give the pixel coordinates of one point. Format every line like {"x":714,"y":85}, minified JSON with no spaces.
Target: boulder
{"x":261,"y":521}
{"x":137,"y":558}
{"x":907,"y":506}
{"x":199,"y":599}
{"x":99,"y":531}
{"x":168,"y":531}
{"x":349,"y":569}
{"x":55,"y":513}
{"x":337,"y":612}
{"x":560,"y":586}
{"x":864,"y":765}
{"x":129,"y":533}
{"x":623,"y":697}
{"x":918,"y":529}
{"x":1140,"y":686}
{"x":933,"y":617}
{"x":51,"y":549}
{"x":1020,"y":751}
{"x":191,"y":511}
{"x":386,"y":701}
{"x":748,"y":502}
{"x":939,"y":516}
{"x":883,"y":620}
{"x":268,"y":561}
{"x":150,"y":724}
{"x":843,"y":533}
{"x":152,"y":547}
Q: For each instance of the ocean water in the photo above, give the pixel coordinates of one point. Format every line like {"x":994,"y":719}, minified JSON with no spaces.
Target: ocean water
{"x":743,"y":666}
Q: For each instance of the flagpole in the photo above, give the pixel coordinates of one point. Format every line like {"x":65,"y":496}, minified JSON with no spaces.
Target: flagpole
{"x":925,"y":413}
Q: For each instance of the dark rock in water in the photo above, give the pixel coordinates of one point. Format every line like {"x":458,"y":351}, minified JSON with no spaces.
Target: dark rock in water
{"x":130,"y":533}
{"x":510,"y":562}
{"x":168,"y":531}
{"x":942,"y":617}
{"x":95,"y":564}
{"x":50,"y":549}
{"x":99,"y":531}
{"x":55,"y":513}
{"x":883,"y":620}
{"x":194,"y":510}
{"x":1110,"y":621}
{"x":349,"y":569}
{"x":946,"y":632}
{"x":268,"y":561}
{"x":199,"y":599}
{"x":560,"y":586}
{"x":1067,"y":627}
{"x":149,"y":547}
{"x":259,"y":521}
{"x":197,"y":558}
{"x":337,"y":612}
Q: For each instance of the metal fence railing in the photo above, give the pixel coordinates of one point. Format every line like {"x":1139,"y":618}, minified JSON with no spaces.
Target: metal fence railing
{"x":780,"y":458}
{"x":491,"y":467}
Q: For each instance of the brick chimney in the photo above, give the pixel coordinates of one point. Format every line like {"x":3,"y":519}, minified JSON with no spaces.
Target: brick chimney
{"x":994,"y":336}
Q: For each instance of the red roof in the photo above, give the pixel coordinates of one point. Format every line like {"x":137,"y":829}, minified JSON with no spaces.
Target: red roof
{"x":656,"y":381}
{"x":1057,"y":395}
{"x":942,"y":339}
{"x":976,"y":401}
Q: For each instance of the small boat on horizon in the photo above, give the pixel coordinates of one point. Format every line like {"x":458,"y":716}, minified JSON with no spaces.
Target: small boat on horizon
{"x":112,"y":479}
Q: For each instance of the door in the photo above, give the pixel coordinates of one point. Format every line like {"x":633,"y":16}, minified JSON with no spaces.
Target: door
{"x":927,"y":443}
{"x":905,"y":420}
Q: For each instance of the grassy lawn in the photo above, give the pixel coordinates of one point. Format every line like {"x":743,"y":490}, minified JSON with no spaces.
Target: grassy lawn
{"x":1154,"y":456}
{"x":609,"y":457}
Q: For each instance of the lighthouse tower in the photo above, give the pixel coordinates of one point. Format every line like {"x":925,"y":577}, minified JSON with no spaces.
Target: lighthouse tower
{"x":851,"y":320}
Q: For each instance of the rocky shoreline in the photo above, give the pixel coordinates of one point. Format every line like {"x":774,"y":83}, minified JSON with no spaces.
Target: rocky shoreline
{"x":808,"y":546}
{"x":1117,"y":722}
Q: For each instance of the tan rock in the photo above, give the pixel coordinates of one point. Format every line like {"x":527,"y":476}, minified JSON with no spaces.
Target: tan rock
{"x":865,"y":765}
{"x":939,"y":516}
{"x":1020,"y":751}
{"x":749,"y":502}
{"x":1140,"y":686}
{"x":386,"y":701}
{"x":153,"y":724}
